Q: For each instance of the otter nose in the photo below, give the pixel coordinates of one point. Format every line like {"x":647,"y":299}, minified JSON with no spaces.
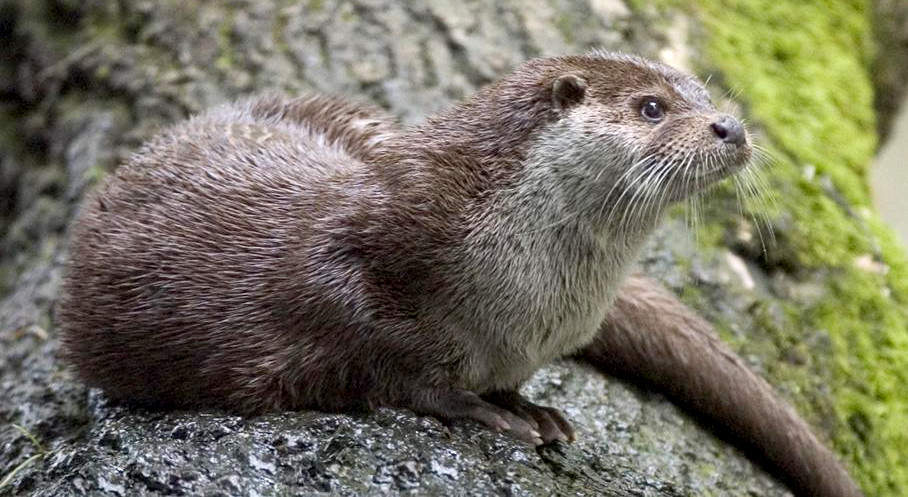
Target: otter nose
{"x":729,"y":130}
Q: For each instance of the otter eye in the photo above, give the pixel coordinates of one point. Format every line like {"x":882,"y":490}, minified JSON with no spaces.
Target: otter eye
{"x":652,"y":111}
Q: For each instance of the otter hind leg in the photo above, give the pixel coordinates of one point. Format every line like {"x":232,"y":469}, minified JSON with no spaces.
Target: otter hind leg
{"x":463,"y":404}
{"x":548,"y":421}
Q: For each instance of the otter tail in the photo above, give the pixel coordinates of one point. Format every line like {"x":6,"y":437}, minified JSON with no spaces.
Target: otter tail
{"x":651,"y":337}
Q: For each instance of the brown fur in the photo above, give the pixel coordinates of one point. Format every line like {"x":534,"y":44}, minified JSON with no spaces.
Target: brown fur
{"x":289,"y":254}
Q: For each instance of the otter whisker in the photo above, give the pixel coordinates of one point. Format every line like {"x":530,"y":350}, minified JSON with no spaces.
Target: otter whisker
{"x":761,"y":199}
{"x":639,"y":197}
{"x":761,"y":193}
{"x":740,"y":194}
{"x":691,"y":193}
{"x":575,"y":212}
{"x":642,"y":192}
{"x":631,"y":170}
{"x":732,"y":93}
{"x":685,"y":165}
{"x":751,"y":196}
{"x":634,"y":187}
{"x":641,"y":170}
{"x":664,"y":185}
{"x":651,"y":207}
{"x":644,"y":186}
{"x":695,"y":197}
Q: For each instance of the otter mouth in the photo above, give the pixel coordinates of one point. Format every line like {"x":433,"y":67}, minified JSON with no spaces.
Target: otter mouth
{"x":655,"y":181}
{"x":719,"y":165}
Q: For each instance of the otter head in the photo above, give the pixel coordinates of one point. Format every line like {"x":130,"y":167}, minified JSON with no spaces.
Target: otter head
{"x":631,"y":136}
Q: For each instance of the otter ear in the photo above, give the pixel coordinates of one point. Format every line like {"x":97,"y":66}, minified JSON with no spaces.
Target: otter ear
{"x":568,"y":90}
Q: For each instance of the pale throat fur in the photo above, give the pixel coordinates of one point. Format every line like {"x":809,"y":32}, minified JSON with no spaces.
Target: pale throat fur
{"x":546,"y":255}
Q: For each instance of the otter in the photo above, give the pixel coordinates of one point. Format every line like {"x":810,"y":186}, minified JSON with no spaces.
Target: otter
{"x":309,"y":253}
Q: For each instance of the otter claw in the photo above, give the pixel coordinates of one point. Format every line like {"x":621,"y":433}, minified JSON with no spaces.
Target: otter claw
{"x":547,"y":421}
{"x":455,"y":404}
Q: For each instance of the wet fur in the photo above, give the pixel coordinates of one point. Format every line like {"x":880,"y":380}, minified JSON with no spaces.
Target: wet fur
{"x":308,"y":253}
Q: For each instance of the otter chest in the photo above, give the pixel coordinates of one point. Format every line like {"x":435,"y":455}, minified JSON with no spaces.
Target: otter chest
{"x":537,"y":309}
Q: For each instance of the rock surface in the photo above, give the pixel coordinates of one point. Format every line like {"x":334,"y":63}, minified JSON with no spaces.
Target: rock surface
{"x":82,"y":83}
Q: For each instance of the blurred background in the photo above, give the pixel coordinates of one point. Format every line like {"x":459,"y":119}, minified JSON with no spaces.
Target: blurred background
{"x":889,"y":175}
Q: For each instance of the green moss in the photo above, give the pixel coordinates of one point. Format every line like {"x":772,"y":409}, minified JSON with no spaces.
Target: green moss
{"x":565,"y":25}
{"x":226,"y":57}
{"x":802,"y":69}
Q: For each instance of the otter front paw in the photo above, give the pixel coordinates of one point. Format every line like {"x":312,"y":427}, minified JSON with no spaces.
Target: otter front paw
{"x":548,"y":421}
{"x":463,"y":404}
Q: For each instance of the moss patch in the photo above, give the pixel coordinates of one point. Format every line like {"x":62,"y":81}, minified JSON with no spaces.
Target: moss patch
{"x":802,"y":68}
